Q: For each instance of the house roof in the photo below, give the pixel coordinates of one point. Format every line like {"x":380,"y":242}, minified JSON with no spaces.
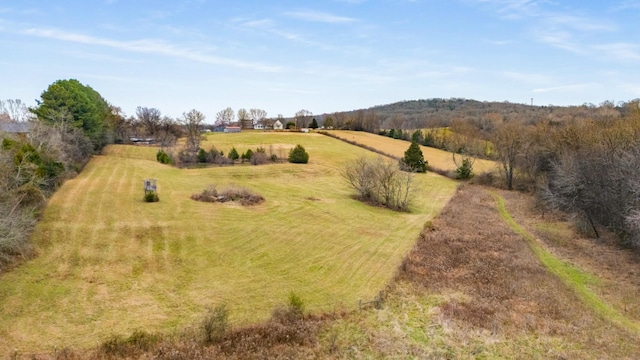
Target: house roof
{"x":15,"y":128}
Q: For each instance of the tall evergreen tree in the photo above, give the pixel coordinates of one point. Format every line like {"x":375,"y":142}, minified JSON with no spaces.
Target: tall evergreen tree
{"x":68,"y":103}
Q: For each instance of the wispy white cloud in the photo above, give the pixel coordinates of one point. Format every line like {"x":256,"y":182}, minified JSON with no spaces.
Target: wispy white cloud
{"x":148,"y":46}
{"x":580,"y":23}
{"x":561,"y":88}
{"x":620,"y":51}
{"x":626,"y":5}
{"x":499,"y":42}
{"x":514,"y":9}
{"x":352,"y":1}
{"x":262,"y":23}
{"x":560,"y":39}
{"x":317,"y":16}
{"x":529,"y":78}
{"x":101,"y":57}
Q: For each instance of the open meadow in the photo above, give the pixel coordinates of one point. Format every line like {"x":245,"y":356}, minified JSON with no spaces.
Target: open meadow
{"x":109,"y":263}
{"x":437,"y":158}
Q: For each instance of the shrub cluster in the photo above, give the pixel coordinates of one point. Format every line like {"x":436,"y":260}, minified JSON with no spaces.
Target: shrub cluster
{"x":214,"y":156}
{"x":232,"y":193}
{"x":380,"y":182}
{"x":163,"y":157}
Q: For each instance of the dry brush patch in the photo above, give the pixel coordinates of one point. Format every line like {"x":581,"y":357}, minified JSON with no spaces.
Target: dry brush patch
{"x":505,"y":290}
{"x":616,"y":268}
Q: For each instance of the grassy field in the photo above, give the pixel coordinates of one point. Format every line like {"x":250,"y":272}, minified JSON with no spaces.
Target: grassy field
{"x":109,"y":263}
{"x":437,"y":158}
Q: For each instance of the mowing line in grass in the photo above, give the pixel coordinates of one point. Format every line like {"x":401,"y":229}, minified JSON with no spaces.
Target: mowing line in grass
{"x":573,"y":277}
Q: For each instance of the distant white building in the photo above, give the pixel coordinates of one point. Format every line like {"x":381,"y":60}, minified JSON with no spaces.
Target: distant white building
{"x":278,"y":125}
{"x":259,"y":126}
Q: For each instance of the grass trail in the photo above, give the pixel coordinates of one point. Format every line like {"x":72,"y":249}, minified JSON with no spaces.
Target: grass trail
{"x":573,"y":277}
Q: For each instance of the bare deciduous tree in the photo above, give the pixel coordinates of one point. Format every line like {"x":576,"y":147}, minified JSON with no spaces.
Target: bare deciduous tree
{"x":192,"y":122}
{"x":224,"y":117}
{"x":15,"y":110}
{"x":302,"y":118}
{"x":507,"y":143}
{"x":150,"y":119}
{"x":259,"y":116}
{"x":380,"y":182}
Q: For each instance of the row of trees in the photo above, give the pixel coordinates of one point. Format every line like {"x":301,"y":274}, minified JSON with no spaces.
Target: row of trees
{"x":70,"y":122}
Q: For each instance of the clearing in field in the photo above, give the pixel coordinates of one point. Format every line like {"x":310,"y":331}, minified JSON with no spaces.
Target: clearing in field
{"x":109,"y":263}
{"x":437,"y":158}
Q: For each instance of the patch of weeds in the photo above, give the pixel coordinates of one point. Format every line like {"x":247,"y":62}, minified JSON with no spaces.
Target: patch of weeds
{"x":215,"y":324}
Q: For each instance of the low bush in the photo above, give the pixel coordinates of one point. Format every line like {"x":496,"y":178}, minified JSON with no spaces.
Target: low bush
{"x":298,"y":155}
{"x":151,"y":196}
{"x":215,"y":324}
{"x":291,"y":313}
{"x":163,"y":157}
{"x":138,"y":342}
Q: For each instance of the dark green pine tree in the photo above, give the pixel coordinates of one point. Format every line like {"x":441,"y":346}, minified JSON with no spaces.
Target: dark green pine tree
{"x":413,"y":159}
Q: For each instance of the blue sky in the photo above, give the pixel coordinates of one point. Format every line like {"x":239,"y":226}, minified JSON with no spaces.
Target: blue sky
{"x":323,"y":56}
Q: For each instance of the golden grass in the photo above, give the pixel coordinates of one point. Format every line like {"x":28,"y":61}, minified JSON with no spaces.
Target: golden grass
{"x":109,"y":263}
{"x":437,"y":158}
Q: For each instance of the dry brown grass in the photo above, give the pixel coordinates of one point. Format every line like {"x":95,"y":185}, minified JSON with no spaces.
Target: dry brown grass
{"x":617,"y":268}
{"x":505,"y":289}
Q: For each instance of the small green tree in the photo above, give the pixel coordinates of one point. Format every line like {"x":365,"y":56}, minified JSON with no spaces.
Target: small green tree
{"x":202,"y":155}
{"x":464,"y":171}
{"x":233,"y":154}
{"x":163,"y":157}
{"x":413,"y":159}
{"x":314,"y":124}
{"x":290,"y":125}
{"x":417,"y":137}
{"x":247,"y":155}
{"x":298,"y":155}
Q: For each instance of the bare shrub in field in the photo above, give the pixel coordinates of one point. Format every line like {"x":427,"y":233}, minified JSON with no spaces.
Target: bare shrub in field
{"x":380,"y":182}
{"x":241,"y":194}
{"x":259,"y":158}
{"x":210,"y":194}
{"x":232,"y":193}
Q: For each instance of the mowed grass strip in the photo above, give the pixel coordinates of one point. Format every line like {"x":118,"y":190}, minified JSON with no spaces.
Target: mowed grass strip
{"x":437,"y":158}
{"x":575,"y":278}
{"x":109,"y":263}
